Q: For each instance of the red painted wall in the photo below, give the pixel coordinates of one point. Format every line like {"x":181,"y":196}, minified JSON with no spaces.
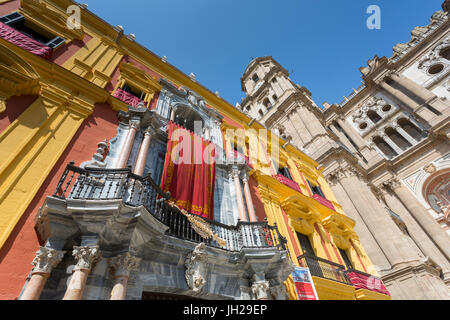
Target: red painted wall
{"x":20,"y":248}
{"x":61,"y":55}
{"x":14,"y":108}
{"x":257,"y":201}
{"x":9,"y":7}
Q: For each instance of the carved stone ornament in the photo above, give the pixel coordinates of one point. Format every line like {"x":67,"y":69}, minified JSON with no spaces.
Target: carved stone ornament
{"x":261,"y":290}
{"x":123,"y":264}
{"x":46,"y":259}
{"x":196,"y":268}
{"x":374,"y":103}
{"x":431,"y":168}
{"x":372,"y":65}
{"x":86,"y":257}
{"x":97,"y":158}
{"x":433,"y":56}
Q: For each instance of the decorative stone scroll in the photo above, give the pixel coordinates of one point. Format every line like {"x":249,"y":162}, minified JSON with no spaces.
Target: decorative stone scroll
{"x":196,"y":268}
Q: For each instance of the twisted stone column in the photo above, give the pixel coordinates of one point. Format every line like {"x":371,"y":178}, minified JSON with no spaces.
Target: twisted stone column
{"x":129,"y":141}
{"x":86,"y":258}
{"x":121,"y":266}
{"x":431,"y":227}
{"x":141,"y":158}
{"x":45,"y":260}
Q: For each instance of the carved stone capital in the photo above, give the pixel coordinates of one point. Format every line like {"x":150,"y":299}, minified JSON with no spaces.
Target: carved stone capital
{"x":86,"y":257}
{"x":261,"y":290}
{"x":123,"y":264}
{"x":46,"y":259}
{"x":196,"y":269}
{"x":392,"y":184}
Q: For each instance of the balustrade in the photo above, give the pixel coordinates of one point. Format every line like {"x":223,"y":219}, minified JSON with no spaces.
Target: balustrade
{"x":134,"y":190}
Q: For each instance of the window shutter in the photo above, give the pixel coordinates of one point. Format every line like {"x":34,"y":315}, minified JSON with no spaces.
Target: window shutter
{"x":56,"y":42}
{"x":12,"y":18}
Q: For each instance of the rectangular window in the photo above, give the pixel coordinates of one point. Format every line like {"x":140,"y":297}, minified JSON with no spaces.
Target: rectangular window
{"x":17,"y":21}
{"x":316,"y":189}
{"x":284,"y":171}
{"x":135,"y":92}
{"x":305,"y":244}
{"x":347,"y":261}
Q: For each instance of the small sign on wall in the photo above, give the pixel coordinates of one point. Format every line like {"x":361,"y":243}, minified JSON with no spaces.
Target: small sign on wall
{"x":304,"y":284}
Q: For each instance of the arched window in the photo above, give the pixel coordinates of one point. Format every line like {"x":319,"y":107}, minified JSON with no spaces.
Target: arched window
{"x":373,"y":116}
{"x":398,"y":139}
{"x":267,"y":103}
{"x":411,"y":129}
{"x":261,"y":113}
{"x":384,"y":147}
{"x":255,"y":78}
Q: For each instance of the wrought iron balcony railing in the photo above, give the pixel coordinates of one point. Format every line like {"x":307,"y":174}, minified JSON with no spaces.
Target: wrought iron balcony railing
{"x":323,"y":268}
{"x":134,"y":190}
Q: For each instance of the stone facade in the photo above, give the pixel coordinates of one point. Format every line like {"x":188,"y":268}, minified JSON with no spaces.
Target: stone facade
{"x":384,"y":151}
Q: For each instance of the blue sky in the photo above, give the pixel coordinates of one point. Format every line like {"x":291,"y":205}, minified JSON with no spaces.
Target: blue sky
{"x":322,"y":43}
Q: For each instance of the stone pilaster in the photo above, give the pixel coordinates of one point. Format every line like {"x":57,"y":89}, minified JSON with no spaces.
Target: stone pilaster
{"x":431,"y":227}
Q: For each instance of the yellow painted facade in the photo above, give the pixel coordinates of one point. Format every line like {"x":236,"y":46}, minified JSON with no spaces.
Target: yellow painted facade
{"x":33,"y":143}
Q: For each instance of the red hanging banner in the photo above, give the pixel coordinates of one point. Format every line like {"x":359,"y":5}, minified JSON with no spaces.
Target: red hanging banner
{"x":189,"y":171}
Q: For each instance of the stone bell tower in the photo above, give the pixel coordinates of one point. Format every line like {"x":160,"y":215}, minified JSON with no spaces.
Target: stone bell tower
{"x":284,"y":107}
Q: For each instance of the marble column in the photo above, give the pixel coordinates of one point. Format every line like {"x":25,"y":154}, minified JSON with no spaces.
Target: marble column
{"x":423,"y":93}
{"x":249,"y":200}
{"x":141,"y":158}
{"x":405,"y":134}
{"x":45,"y":260}
{"x":423,"y":113}
{"x":407,"y":101}
{"x":128,"y":145}
{"x":121,"y":267}
{"x":357,"y":139}
{"x":431,"y":227}
{"x":240,"y":199}
{"x":392,"y":144}
{"x":86,"y":257}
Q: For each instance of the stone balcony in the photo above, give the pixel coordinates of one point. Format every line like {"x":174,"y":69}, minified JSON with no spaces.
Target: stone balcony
{"x":129,"y":213}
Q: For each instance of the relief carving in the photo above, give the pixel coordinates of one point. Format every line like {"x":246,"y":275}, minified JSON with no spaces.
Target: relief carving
{"x":196,"y":268}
